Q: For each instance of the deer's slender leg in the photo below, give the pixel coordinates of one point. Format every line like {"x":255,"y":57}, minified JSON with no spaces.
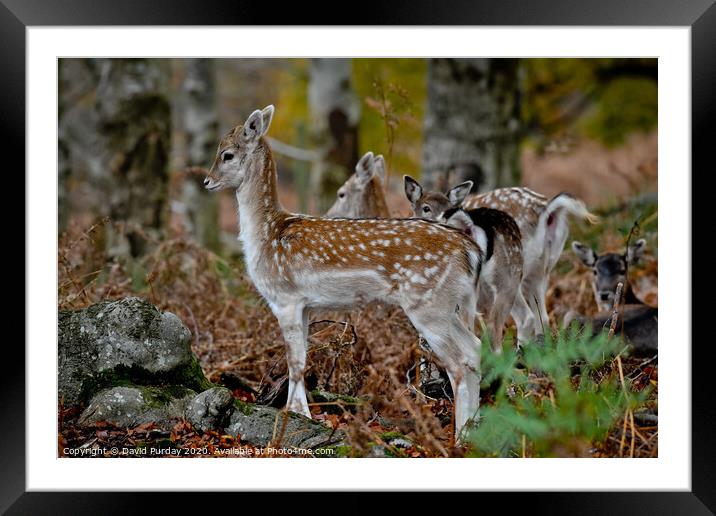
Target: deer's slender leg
{"x":468,"y":390}
{"x":458,"y":350}
{"x":504,"y":303}
{"x":499,"y":315}
{"x":524,"y":319}
{"x":293,"y":321}
{"x":486,"y":306}
{"x":543,"y":303}
{"x":468,"y":311}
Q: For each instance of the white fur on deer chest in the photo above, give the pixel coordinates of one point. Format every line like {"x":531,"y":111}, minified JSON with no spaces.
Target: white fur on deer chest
{"x":265,"y":274}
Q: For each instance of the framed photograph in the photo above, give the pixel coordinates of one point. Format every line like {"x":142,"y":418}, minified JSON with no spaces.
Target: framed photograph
{"x":427,"y":235}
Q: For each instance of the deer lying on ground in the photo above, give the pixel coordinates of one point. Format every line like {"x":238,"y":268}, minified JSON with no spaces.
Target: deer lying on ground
{"x":610,"y":269}
{"x":298,"y":263}
{"x":543,"y":226}
{"x":362,"y":196}
{"x":638,"y":321}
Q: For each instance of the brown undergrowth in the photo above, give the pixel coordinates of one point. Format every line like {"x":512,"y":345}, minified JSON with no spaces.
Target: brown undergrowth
{"x":365,"y":354}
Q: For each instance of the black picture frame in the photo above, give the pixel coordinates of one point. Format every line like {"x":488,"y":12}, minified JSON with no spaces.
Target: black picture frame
{"x":17,"y":15}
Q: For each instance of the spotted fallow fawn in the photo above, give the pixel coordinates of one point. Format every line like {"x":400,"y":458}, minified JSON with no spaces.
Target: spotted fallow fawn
{"x":298,"y":263}
{"x":499,"y":291}
{"x":362,"y":196}
{"x":544,"y":228}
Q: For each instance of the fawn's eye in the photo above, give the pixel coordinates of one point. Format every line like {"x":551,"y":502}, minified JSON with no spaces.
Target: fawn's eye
{"x":227,"y":156}
{"x":341,"y":195}
{"x":426,"y":209}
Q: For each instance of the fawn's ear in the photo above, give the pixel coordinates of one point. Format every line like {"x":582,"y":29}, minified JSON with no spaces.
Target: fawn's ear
{"x":379,"y":167}
{"x":413,"y":190}
{"x":636,"y":251}
{"x":253,"y":127}
{"x":585,"y":253}
{"x":458,"y":193}
{"x":266,"y":117}
{"x":364,"y":168}
{"x":257,"y":124}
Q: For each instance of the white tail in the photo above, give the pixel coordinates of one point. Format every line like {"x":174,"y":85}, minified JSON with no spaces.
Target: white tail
{"x":553,"y":226}
{"x":299,"y":263}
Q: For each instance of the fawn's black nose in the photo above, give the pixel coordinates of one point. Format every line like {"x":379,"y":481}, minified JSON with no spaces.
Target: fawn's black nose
{"x":206,"y":181}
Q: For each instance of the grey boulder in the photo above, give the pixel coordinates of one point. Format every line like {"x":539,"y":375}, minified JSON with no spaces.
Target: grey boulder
{"x":123,"y":341}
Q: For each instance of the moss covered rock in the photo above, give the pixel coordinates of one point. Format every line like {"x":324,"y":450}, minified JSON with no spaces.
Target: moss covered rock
{"x":121,"y":343}
{"x":130,"y":406}
{"x":260,"y":425}
{"x":210,"y":409}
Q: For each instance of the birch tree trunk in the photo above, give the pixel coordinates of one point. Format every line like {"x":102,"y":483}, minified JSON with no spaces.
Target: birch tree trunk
{"x":200,"y":124}
{"x":134,"y":126}
{"x":334,"y":115}
{"x":472,"y":123}
{"x":114,"y":133}
{"x":77,"y":139}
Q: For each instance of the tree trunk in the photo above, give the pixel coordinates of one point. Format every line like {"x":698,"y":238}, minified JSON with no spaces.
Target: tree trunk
{"x":472,"y":123}
{"x":64,"y":168}
{"x":200,"y":123}
{"x":134,"y":122}
{"x":77,"y":139}
{"x":334,"y":114}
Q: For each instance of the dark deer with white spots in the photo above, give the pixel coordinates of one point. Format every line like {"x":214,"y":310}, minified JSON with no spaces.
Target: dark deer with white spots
{"x":299,"y":263}
{"x":501,"y":275}
{"x":637,"y":321}
{"x":543,"y":225}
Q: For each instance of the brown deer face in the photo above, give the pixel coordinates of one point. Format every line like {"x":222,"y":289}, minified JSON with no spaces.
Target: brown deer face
{"x":361,"y":196}
{"x":237,"y":152}
{"x":609,"y":269}
{"x":430,"y":205}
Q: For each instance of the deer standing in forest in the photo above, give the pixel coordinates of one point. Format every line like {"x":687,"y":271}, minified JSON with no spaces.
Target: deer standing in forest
{"x":501,"y":275}
{"x":499,"y":292}
{"x":543,"y":227}
{"x":637,"y":320}
{"x":362,"y":196}
{"x":299,"y":263}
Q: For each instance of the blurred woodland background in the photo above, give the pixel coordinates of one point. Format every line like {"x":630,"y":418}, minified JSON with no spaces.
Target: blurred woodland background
{"x":135,"y":220}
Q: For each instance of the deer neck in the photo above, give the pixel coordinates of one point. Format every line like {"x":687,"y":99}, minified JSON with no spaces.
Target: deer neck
{"x":259,"y":207}
{"x":374,"y":200}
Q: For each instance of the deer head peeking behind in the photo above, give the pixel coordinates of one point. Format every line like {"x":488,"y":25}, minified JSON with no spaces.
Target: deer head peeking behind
{"x":609,"y":269}
{"x":362,"y":196}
